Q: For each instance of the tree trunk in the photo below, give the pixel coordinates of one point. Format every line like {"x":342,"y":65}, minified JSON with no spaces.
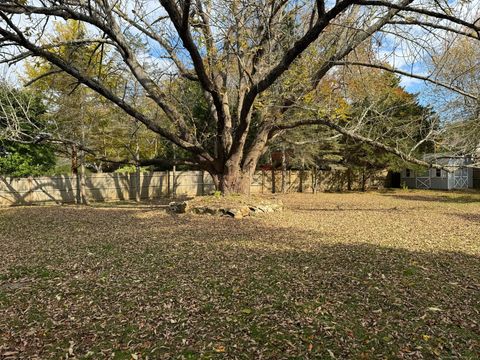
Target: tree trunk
{"x":302,"y":173}
{"x":274,"y":185}
{"x":138,"y":185}
{"x":364,"y":180}
{"x":234,"y":182}
{"x":235,"y":174}
{"x":83,"y":183}
{"x":349,"y":179}
{"x":75,"y":174}
{"x":174,"y":174}
{"x":284,"y":171}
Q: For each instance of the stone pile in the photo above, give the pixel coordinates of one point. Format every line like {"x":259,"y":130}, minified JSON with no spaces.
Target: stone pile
{"x":236,"y":212}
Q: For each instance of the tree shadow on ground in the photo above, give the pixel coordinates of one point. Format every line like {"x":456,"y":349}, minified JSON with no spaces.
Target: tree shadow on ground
{"x":455,"y":198}
{"x":471,"y":217}
{"x":168,"y":286}
{"x":353,"y":209}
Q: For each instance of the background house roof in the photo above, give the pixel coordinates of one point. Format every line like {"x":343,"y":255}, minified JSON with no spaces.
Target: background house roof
{"x":448,"y":160}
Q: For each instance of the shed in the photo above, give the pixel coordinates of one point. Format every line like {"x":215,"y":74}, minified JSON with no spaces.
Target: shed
{"x":458,"y":176}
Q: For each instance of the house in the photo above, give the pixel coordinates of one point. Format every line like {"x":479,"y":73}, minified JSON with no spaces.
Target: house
{"x":458,"y":176}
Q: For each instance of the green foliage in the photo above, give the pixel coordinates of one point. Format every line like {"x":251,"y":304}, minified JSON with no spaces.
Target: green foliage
{"x":19,"y":156}
{"x":376,"y":106}
{"x":131,"y":169}
{"x":20,"y":160}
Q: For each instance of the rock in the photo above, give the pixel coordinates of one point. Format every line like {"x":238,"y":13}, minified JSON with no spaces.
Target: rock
{"x":257,"y":209}
{"x":239,"y":212}
{"x":235,"y":213}
{"x":265,"y":208}
{"x":199,"y":210}
{"x":179,"y":207}
{"x":212,"y":211}
{"x":245,"y":211}
{"x":275,"y":207}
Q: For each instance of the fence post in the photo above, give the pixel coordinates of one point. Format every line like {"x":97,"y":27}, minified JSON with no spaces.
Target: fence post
{"x":174,"y":181}
{"x":284,"y":170}
{"x":138,"y":189}
{"x":83,"y":183}
{"x":263,"y":180}
{"x":301,"y":182}
{"x":273,"y":180}
{"x":289,"y":184}
{"x":30,"y":192}
{"x":168,"y":183}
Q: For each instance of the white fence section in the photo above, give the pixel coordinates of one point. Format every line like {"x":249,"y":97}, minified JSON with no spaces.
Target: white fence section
{"x":103,"y":187}
{"x":154,"y":185}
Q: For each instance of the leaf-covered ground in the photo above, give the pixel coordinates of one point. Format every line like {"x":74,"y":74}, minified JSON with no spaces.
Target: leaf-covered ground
{"x":345,"y":276}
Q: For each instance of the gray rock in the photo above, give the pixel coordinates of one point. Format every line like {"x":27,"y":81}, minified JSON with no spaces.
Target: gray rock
{"x":265,"y":208}
{"x":210,"y":211}
{"x":199,"y":210}
{"x":179,"y":207}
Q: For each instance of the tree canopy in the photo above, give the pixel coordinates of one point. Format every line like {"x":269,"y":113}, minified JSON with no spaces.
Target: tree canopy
{"x":261,"y":68}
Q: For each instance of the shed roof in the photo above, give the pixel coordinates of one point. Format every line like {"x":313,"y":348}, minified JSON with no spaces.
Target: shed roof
{"x":448,"y":160}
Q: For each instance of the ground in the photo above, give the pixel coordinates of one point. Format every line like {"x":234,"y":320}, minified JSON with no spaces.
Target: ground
{"x":344,"y":276}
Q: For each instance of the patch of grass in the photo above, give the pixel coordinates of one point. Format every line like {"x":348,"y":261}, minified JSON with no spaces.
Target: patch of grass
{"x":36,"y":315}
{"x":410,"y":271}
{"x":4,"y":300}
{"x":35,"y":272}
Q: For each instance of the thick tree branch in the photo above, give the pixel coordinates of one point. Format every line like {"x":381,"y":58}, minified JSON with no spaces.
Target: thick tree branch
{"x":432,"y":25}
{"x":110,"y":27}
{"x":422,"y":11}
{"x":148,"y":31}
{"x":185,"y":35}
{"x":102,"y":90}
{"x":359,"y":38}
{"x":352,"y":135}
{"x":289,"y":57}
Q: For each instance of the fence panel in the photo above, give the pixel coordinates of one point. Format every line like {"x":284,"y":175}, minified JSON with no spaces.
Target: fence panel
{"x":118,"y":187}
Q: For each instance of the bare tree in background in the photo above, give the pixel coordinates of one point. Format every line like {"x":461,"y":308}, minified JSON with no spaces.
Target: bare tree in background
{"x":457,"y":61}
{"x":244,"y":56}
{"x":16,"y":123}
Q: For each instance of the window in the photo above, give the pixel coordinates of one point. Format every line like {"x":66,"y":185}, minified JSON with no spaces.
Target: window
{"x":408,"y":173}
{"x":438,"y":172}
{"x":423,"y":173}
{"x":461,"y":171}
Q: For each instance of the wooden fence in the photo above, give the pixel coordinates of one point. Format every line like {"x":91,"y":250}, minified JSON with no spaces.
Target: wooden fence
{"x":102,"y":187}
{"x":118,"y":187}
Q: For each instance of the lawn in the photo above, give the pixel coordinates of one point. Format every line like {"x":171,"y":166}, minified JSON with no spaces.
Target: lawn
{"x":344,"y":276}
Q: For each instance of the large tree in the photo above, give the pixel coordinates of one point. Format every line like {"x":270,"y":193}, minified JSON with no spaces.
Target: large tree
{"x":242,"y":56}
